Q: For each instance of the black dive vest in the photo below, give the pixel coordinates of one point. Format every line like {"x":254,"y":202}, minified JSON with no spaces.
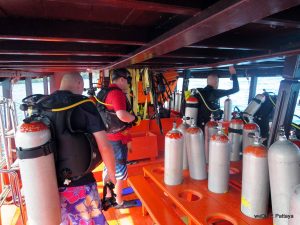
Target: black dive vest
{"x":112,"y":123}
{"x":77,"y":152}
{"x":212,"y":102}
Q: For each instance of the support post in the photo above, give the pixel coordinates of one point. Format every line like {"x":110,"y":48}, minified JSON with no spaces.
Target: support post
{"x":287,"y":98}
{"x":185,"y":86}
{"x":45,"y":83}
{"x":252,"y":88}
{"x":6,"y":88}
{"x":28,"y":86}
{"x":90,"y":80}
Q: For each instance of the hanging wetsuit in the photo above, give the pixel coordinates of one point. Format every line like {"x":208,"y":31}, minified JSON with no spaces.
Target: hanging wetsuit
{"x":211,"y":97}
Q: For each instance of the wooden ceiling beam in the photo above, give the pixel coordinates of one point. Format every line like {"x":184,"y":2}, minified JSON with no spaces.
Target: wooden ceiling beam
{"x":74,"y":40}
{"x":46,"y":65}
{"x":178,"y":56}
{"x":242,"y":72}
{"x":223,"y":16}
{"x":70,"y":31}
{"x":61,"y":53}
{"x":251,"y":59}
{"x":40,"y":70}
{"x":227,"y":47}
{"x":13,"y":73}
{"x":30,"y":46}
{"x":138,"y":5}
{"x":273,"y":22}
{"x":53,"y":61}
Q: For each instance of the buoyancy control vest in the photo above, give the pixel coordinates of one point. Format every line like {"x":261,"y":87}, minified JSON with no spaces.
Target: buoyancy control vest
{"x":208,"y":104}
{"x":112,"y":123}
{"x":76,"y":152}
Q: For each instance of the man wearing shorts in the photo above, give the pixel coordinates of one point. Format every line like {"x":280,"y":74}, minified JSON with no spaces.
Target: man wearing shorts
{"x":117,"y":102}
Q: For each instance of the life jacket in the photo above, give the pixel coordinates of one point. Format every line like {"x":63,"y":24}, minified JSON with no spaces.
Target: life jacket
{"x":112,"y":123}
{"x":76,"y":152}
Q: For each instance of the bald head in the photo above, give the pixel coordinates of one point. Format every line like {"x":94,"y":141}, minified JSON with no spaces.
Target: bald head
{"x":213,"y":80}
{"x":72,"y":82}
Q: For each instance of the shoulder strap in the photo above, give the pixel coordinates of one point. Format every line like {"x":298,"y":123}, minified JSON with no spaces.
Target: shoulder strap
{"x":101,"y":96}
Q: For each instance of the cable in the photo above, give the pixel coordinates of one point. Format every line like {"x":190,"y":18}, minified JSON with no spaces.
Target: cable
{"x":102,"y":102}
{"x":296,"y":126}
{"x":71,"y":106}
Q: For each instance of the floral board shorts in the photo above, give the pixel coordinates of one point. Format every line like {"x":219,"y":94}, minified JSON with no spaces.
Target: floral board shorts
{"x":81,"y":205}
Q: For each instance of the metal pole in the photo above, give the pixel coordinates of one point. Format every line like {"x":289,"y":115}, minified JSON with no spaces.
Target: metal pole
{"x":287,"y":98}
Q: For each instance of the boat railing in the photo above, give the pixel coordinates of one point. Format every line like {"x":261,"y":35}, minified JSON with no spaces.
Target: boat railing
{"x":13,"y":188}
{"x":10,"y":186}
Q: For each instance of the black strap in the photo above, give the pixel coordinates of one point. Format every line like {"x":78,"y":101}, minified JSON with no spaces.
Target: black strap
{"x":236,"y":131}
{"x":257,"y":100}
{"x":30,"y":153}
{"x":191,"y":105}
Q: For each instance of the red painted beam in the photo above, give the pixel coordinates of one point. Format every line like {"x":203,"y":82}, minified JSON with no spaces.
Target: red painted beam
{"x":66,"y":39}
{"x":223,"y":16}
{"x":54,"y":61}
{"x":61,"y":53}
{"x":139,"y":5}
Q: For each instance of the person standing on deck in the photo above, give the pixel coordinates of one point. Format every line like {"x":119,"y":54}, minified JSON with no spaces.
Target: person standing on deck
{"x":210,"y":95}
{"x":116,"y":102}
{"x":80,"y":200}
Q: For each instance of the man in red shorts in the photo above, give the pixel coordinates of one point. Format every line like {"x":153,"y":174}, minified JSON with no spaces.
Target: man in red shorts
{"x":117,"y":104}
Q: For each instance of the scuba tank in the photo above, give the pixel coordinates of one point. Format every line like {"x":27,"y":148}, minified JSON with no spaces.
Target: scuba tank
{"x":173,"y":157}
{"x":191,"y":108}
{"x":76,"y":152}
{"x":284,"y":163}
{"x":254,"y":105}
{"x":227,"y":109}
{"x":210,"y":129}
{"x":295,"y":206}
{"x":219,"y":163}
{"x":35,"y":151}
{"x":235,"y":136}
{"x":248,"y":132}
{"x":195,"y":152}
{"x":255,"y":180}
{"x":182,"y":128}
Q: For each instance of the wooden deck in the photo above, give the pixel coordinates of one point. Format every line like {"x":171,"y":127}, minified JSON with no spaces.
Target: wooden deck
{"x":10,"y":214}
{"x":131,"y":216}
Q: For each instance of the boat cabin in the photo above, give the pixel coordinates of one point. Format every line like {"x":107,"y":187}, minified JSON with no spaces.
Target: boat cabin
{"x":173,"y":44}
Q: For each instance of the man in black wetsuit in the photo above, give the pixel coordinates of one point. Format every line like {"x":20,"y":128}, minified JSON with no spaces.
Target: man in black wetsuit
{"x":211,"y":95}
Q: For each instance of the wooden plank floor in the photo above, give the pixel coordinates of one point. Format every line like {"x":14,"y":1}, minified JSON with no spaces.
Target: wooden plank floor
{"x":130,"y":216}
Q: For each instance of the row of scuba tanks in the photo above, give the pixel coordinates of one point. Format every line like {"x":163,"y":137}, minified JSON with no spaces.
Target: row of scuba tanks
{"x":192,"y":104}
{"x":276,"y":169}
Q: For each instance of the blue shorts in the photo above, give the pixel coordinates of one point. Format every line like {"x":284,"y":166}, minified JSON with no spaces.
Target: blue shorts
{"x":120,"y":152}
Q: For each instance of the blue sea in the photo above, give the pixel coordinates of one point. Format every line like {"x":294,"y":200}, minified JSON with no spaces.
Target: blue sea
{"x":239,"y":99}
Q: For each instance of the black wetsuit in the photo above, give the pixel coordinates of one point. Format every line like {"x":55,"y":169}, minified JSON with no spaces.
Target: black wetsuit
{"x":212,"y":96}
